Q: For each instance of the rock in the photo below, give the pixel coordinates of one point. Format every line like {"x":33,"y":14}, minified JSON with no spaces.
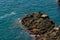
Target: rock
{"x":54,"y":35}
{"x":38,"y":21}
{"x":40,"y":24}
{"x":59,"y":2}
{"x":56,"y":28}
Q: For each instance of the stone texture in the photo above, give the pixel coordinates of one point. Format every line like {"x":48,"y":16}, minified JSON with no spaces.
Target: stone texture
{"x":39,"y":24}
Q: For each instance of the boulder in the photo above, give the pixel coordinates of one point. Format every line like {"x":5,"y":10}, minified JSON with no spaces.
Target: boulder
{"x":37,"y":23}
{"x":40,"y":25}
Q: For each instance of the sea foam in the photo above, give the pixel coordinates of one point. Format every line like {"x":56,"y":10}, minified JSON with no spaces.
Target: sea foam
{"x":7,"y":15}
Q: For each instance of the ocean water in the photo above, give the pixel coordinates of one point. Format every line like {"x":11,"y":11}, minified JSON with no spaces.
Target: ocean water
{"x":11,"y":10}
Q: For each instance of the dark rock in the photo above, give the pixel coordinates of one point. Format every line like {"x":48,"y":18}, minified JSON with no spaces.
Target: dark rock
{"x":59,"y":2}
{"x":40,"y":24}
{"x":38,"y":21}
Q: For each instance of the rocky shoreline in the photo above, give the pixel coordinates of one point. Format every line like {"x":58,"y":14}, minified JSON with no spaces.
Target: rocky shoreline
{"x":40,"y":25}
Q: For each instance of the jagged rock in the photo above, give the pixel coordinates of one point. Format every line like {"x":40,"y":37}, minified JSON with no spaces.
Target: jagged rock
{"x":40,"y":25}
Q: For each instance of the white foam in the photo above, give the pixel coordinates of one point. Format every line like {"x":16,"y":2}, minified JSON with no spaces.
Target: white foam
{"x":32,"y":35}
{"x":19,"y":19}
{"x":7,"y":15}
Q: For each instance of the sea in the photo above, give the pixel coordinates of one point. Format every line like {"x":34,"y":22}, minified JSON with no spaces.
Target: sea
{"x":12,"y":10}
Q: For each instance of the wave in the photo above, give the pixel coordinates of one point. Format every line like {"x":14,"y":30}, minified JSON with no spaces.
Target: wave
{"x":7,"y":15}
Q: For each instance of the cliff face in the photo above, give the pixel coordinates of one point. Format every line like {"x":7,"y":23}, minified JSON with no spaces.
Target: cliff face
{"x":40,"y":25}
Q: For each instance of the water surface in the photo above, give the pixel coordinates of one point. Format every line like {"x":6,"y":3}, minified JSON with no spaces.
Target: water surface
{"x":11,"y":10}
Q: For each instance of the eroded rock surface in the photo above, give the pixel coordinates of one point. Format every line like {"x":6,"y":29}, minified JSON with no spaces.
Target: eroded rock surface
{"x":39,"y":24}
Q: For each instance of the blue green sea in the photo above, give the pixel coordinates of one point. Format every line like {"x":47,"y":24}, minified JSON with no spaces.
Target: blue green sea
{"x":11,"y":10}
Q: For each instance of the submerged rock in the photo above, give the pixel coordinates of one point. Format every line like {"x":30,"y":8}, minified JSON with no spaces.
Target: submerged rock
{"x":40,"y":24}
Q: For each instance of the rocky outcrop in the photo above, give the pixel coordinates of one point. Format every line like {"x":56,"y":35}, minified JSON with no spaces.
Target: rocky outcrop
{"x":58,"y":0}
{"x":40,"y":25}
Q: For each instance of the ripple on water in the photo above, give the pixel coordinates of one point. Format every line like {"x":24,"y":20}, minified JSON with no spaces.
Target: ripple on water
{"x":10,"y":10}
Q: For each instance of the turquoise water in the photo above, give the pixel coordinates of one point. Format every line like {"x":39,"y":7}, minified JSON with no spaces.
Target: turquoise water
{"x":11,"y":10}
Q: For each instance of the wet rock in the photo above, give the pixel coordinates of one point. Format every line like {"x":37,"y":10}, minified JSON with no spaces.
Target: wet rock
{"x":59,"y":2}
{"x":40,"y":24}
{"x":54,"y":35}
{"x":38,"y":21}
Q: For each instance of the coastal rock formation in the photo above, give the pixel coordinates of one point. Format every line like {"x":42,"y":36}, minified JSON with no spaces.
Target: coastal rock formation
{"x":59,"y":2}
{"x":40,"y":25}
